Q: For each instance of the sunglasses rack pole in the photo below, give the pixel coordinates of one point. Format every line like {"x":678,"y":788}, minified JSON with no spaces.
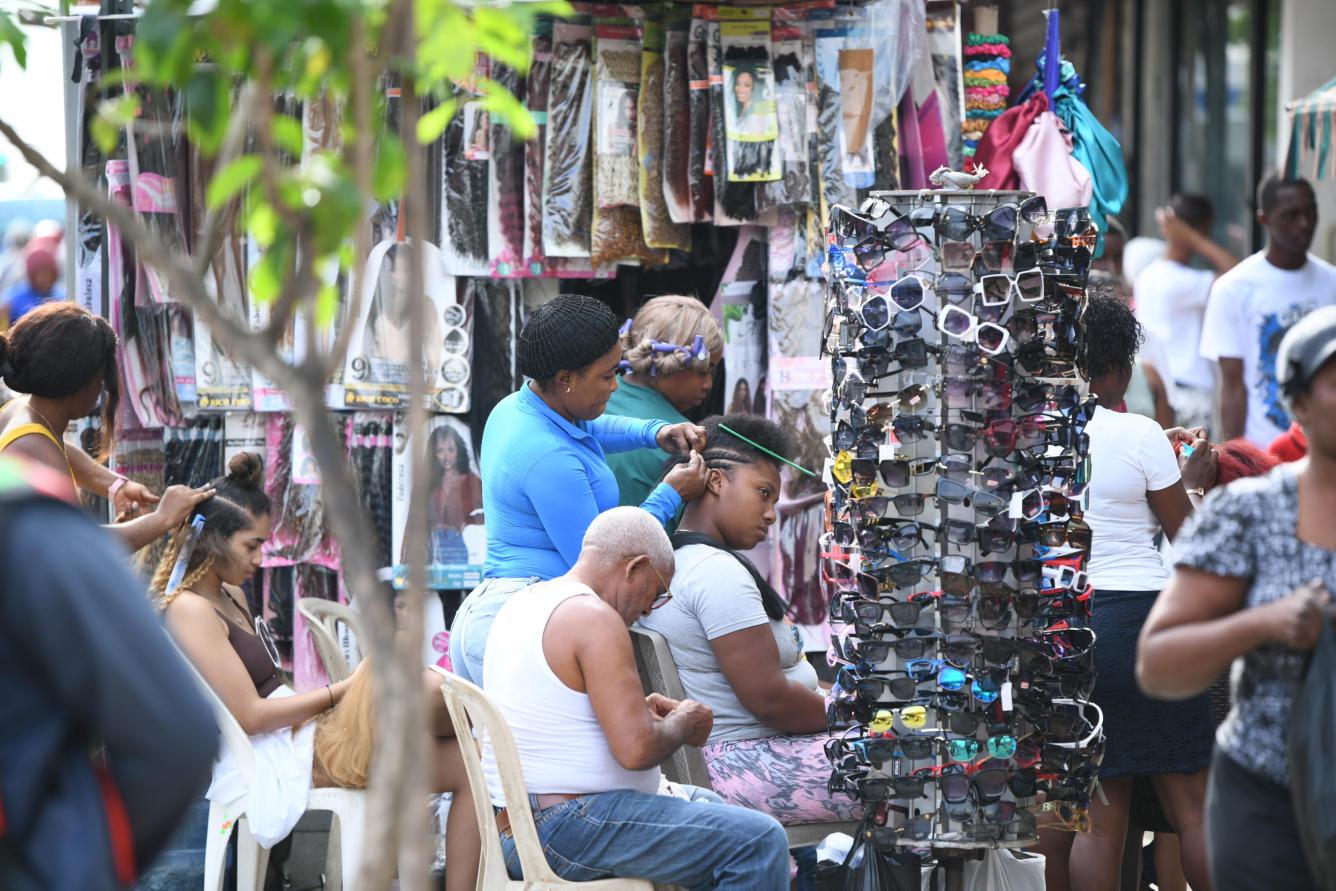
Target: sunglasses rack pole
{"x":960,"y":713}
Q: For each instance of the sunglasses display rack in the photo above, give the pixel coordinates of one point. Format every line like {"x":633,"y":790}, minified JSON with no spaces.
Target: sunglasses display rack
{"x":955,"y":547}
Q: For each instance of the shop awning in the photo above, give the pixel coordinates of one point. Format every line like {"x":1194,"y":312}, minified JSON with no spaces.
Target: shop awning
{"x":1311,"y":126}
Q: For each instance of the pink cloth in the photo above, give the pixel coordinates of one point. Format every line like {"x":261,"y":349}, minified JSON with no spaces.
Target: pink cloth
{"x":1045,"y":165}
{"x":783,"y":776}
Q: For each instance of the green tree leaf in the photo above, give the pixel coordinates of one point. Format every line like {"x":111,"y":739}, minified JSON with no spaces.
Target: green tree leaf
{"x":432,"y":124}
{"x":228,"y":182}
{"x":11,"y":35}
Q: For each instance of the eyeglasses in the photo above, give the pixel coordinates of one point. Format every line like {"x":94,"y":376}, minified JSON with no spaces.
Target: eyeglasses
{"x":667,"y":594}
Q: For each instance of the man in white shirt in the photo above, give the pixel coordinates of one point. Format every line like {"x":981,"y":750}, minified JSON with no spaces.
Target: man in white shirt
{"x":1170,"y":299}
{"x":559,"y":667}
{"x":1255,"y":303}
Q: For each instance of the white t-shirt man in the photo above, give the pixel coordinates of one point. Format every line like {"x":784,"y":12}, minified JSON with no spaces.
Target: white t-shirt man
{"x":1170,"y":302}
{"x":1129,"y":456}
{"x":1250,"y":309}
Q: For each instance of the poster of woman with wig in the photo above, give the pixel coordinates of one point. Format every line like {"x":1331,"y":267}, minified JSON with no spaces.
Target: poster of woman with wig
{"x":456,"y":540}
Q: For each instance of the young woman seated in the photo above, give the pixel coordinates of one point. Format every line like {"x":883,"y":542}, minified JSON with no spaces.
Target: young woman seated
{"x":734,"y":647}
{"x":207,"y":616}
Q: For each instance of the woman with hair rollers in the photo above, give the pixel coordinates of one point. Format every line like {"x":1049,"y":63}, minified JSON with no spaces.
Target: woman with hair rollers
{"x":207,"y":616}
{"x":733,"y":645}
{"x":670,"y":351}
{"x":545,"y":474}
{"x":64,"y":358}
{"x":1136,"y":488}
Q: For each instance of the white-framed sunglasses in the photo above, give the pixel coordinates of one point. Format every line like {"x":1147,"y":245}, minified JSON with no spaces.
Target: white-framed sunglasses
{"x":962,"y":325}
{"x":997,"y":289}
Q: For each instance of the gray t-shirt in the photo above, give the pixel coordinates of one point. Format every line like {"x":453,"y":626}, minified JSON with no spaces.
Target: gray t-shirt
{"x":1246,"y":530}
{"x":714,"y":595}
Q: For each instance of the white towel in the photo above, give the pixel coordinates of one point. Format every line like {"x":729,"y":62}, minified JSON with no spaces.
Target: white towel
{"x":282,"y":781}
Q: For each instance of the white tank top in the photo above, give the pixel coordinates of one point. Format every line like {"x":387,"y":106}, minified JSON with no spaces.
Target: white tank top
{"x":561,"y":745}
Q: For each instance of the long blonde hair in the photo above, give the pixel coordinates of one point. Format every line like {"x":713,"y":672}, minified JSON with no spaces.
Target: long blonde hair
{"x":675,"y":320}
{"x":343,"y":737}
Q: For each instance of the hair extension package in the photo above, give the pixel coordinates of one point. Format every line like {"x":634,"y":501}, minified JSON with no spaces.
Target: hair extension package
{"x":676,"y":104}
{"x":466,"y":160}
{"x":537,"y":86}
{"x":660,"y":229}
{"x":370,"y":442}
{"x":791,"y":54}
{"x":734,"y":201}
{"x":751,"y":123}
{"x":568,"y":174}
{"x":506,"y":185}
{"x":700,"y":185}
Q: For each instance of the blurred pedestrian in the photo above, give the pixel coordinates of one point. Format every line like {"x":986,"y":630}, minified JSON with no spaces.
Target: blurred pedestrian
{"x":104,"y":739}
{"x":17,"y":235}
{"x":1254,"y":569}
{"x":38,"y":287}
{"x":1171,"y":299}
{"x":1255,"y":303}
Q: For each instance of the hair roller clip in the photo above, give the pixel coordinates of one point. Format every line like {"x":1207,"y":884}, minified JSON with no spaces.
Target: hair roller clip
{"x":624,"y":367}
{"x":626,"y":327}
{"x":660,"y":346}
{"x":698,"y":351}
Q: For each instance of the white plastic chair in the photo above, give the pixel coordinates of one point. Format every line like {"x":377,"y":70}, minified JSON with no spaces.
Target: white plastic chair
{"x":469,"y":706}
{"x":347,"y":805}
{"x":322,"y":618}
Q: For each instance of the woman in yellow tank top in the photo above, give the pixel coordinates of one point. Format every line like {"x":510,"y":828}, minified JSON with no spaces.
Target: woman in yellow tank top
{"x":64,"y":358}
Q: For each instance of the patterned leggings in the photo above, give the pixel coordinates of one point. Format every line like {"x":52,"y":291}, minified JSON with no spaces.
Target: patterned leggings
{"x":784,"y":776}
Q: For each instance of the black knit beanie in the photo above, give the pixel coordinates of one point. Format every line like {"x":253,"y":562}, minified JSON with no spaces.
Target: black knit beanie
{"x":565,"y":334}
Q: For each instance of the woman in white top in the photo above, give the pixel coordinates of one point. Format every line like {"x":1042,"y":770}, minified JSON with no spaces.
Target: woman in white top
{"x":1136,"y":490}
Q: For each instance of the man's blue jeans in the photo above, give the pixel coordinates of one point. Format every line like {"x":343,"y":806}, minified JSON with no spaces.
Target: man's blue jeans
{"x":698,"y":844}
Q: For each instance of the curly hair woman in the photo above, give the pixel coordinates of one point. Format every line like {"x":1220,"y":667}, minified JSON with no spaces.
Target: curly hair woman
{"x":669,"y":354}
{"x":206,"y":614}
{"x":1136,"y":489}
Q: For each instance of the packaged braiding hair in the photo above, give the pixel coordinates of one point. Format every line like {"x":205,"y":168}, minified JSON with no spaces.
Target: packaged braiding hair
{"x":734,"y":202}
{"x":660,"y":230}
{"x":506,"y":238}
{"x":700,"y":185}
{"x":540,"y":71}
{"x":465,"y":189}
{"x":300,"y":534}
{"x":751,"y":124}
{"x":676,"y":105}
{"x":568,"y":174}
{"x":194,"y":453}
{"x":370,"y":452}
{"x":791,"y":88}
{"x":617,"y":50}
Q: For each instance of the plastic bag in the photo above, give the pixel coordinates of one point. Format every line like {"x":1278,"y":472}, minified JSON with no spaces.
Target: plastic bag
{"x":568,"y":178}
{"x":540,"y":71}
{"x":791,"y":80}
{"x":1312,"y":771}
{"x":751,"y":124}
{"x":655,"y":217}
{"x":734,"y":202}
{"x":465,"y":159}
{"x":506,"y":237}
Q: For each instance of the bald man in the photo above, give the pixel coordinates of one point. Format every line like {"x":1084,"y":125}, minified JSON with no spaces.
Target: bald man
{"x":560,"y":668}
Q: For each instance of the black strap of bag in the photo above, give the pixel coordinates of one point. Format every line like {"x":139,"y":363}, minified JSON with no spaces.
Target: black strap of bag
{"x":775,"y":607}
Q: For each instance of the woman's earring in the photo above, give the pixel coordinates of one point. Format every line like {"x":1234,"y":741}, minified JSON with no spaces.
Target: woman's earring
{"x":568,"y":389}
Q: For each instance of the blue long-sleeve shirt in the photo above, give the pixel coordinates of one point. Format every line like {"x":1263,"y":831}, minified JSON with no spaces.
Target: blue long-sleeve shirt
{"x":544,"y":479}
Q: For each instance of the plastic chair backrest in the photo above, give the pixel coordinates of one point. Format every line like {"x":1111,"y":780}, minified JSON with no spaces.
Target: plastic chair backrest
{"x":322,"y":618}
{"x":468,"y":705}
{"x":658,"y":674}
{"x":235,"y":739}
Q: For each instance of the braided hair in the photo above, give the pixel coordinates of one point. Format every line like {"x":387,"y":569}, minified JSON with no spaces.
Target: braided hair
{"x":566,"y":333}
{"x":725,"y":451}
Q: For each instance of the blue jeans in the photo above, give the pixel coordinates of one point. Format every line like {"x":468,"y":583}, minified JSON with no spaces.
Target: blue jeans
{"x":699,"y":844}
{"x":473,"y":623}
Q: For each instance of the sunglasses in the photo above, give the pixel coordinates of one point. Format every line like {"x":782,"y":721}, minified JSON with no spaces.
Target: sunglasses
{"x":998,"y":289}
{"x":956,"y":322}
{"x":968,"y":749}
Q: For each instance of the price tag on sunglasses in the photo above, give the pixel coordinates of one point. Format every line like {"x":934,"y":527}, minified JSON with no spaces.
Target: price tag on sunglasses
{"x":1006,"y":696}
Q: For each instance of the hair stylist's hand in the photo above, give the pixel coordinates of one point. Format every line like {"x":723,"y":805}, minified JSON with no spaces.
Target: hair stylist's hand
{"x":679,"y":438}
{"x":1200,"y":468}
{"x":697,"y":718}
{"x":178,"y":501}
{"x":132,"y":499}
{"x":689,"y":478}
{"x":1296,"y":619}
{"x":1183,"y":435}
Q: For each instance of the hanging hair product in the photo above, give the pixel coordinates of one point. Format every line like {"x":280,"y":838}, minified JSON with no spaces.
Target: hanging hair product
{"x":700,"y":186}
{"x":751,"y":124}
{"x":567,"y":187}
{"x":676,"y":124}
{"x":506,"y":239}
{"x":734,"y":202}
{"x":987,"y":65}
{"x":791,"y":87}
{"x":465,"y":171}
{"x":538,"y":83}
{"x":617,"y":50}
{"x":655,"y":217}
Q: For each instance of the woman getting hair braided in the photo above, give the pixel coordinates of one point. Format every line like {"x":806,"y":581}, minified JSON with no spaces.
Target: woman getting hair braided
{"x":669,"y":353}
{"x":207,"y":616}
{"x":545,"y":474}
{"x":731,"y":639}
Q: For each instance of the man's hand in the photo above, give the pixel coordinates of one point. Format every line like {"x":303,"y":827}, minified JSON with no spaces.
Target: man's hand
{"x":661,"y":705}
{"x":679,"y":438}
{"x":696,"y":719}
{"x":1174,"y":230}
